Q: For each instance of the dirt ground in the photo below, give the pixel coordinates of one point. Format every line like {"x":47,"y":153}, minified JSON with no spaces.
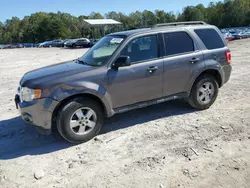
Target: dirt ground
{"x":167,"y":146}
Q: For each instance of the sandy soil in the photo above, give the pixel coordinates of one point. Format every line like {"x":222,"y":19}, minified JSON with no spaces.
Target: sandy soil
{"x":167,"y":146}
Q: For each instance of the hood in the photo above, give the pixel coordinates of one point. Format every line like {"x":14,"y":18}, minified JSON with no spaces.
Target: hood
{"x":39,"y":78}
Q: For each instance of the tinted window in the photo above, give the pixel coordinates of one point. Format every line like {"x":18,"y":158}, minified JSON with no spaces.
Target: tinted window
{"x":141,"y":49}
{"x":210,"y":38}
{"x":178,"y":43}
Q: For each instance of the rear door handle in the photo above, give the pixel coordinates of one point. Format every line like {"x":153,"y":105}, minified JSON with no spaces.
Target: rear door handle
{"x":152,"y":69}
{"x":194,"y":60}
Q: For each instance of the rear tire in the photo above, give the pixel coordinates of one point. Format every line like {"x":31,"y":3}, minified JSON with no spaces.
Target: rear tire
{"x":73,"y":45}
{"x":80,"y":120}
{"x":204,"y":92}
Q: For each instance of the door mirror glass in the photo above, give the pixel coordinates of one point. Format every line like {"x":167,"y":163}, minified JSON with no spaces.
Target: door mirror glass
{"x":122,"y":61}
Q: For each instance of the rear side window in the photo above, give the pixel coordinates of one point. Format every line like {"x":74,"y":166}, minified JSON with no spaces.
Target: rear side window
{"x":178,"y":43}
{"x":210,"y":38}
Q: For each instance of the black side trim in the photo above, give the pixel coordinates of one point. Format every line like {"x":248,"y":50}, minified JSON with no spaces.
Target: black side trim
{"x":149,"y":103}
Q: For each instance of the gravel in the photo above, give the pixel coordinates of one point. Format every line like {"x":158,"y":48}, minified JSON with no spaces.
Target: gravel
{"x":39,"y":174}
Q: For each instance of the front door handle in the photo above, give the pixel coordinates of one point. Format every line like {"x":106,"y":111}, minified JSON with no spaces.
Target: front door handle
{"x":195,"y":60}
{"x":152,"y":69}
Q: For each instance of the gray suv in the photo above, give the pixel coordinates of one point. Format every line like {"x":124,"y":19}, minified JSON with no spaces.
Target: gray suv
{"x":126,"y":71}
{"x":84,"y":42}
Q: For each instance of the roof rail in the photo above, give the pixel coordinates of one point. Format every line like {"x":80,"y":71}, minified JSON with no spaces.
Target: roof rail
{"x":180,"y":23}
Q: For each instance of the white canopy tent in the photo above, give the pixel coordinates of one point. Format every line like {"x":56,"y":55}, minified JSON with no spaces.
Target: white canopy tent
{"x":104,"y":23}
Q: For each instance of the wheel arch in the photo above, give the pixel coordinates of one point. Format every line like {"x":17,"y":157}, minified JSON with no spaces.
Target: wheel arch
{"x":66,"y":100}
{"x":212,"y":72}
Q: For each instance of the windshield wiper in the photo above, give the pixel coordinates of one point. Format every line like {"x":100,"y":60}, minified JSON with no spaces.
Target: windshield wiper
{"x":81,"y":62}
{"x":85,"y":63}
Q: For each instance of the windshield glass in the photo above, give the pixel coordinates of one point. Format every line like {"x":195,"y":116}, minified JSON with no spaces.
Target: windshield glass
{"x":100,"y":53}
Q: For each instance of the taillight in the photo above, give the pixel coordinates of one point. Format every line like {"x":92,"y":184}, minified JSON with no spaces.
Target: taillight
{"x":228,"y":57}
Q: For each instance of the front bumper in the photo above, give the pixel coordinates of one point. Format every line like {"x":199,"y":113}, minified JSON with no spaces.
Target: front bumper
{"x":37,"y":112}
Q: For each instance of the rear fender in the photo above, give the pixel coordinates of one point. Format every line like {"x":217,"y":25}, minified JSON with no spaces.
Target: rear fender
{"x":210,"y":65}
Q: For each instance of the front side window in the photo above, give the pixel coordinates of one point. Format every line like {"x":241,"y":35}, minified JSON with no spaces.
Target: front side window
{"x":102,"y":51}
{"x":141,"y":49}
{"x":178,"y":43}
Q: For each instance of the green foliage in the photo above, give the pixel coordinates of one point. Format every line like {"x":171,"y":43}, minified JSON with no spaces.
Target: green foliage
{"x":43,"y":26}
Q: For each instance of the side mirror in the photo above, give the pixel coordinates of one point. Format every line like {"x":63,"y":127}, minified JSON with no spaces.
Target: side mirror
{"x":122,"y":61}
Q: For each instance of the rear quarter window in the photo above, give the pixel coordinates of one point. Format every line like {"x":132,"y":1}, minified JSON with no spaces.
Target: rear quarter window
{"x":210,"y":38}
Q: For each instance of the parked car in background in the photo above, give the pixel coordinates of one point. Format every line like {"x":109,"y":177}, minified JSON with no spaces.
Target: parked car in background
{"x":36,"y":45}
{"x":247,"y":32}
{"x":7,"y":46}
{"x":83,"y":42}
{"x":68,"y":41}
{"x":45,"y":44}
{"x":11,"y":46}
{"x":93,"y":41}
{"x":16,"y":46}
{"x":57,"y":43}
{"x":28,"y":45}
{"x":1,"y":46}
{"x":228,"y":36}
{"x":239,"y":35}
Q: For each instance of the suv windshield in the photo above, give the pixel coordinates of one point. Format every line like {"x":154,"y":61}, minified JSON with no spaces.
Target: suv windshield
{"x":100,"y":53}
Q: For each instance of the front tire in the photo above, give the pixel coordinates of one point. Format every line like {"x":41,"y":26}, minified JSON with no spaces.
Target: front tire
{"x":204,"y":92}
{"x":80,"y":120}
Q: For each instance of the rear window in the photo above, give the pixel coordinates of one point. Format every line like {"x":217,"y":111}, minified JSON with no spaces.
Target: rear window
{"x":210,"y":38}
{"x":178,"y":43}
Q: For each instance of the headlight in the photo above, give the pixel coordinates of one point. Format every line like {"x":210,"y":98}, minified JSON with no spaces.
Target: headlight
{"x":27,"y":94}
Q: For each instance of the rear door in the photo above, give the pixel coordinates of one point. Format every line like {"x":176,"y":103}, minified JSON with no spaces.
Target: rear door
{"x":182,"y":61}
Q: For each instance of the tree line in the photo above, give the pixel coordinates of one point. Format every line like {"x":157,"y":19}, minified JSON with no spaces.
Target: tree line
{"x":43,"y":26}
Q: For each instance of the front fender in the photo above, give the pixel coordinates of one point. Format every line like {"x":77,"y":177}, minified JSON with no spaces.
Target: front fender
{"x":67,"y":90}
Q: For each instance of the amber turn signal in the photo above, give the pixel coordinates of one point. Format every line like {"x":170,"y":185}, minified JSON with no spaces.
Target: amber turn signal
{"x":37,"y":93}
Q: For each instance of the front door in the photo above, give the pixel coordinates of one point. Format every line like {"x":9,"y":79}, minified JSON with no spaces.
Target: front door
{"x":142,"y":81}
